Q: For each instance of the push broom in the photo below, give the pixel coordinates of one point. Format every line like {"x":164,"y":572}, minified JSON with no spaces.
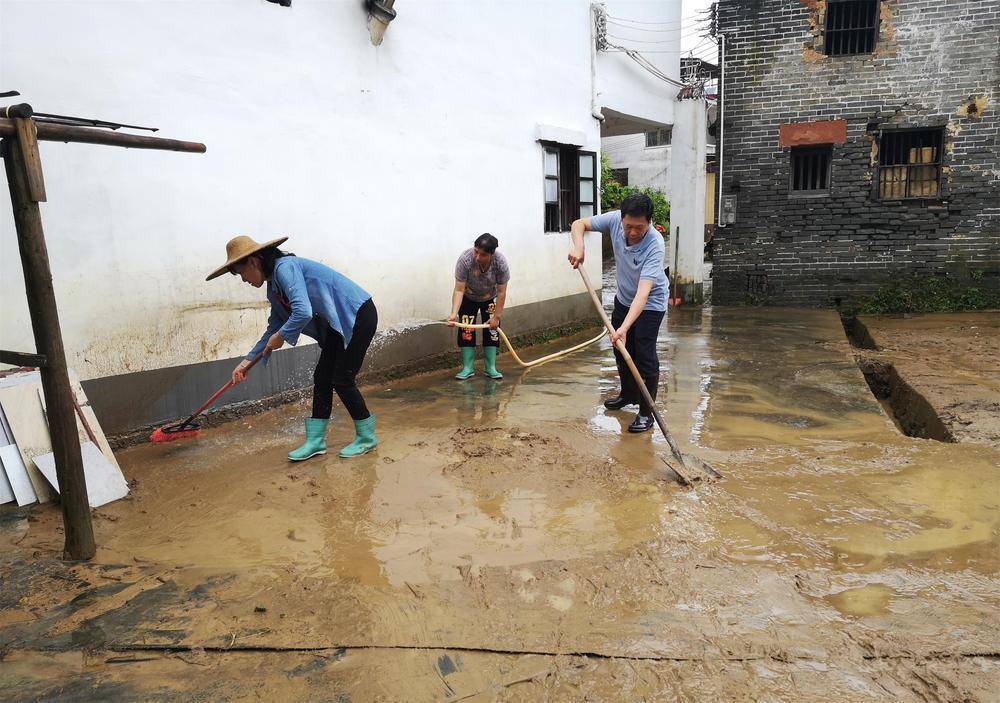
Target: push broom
{"x":683,"y":461}
{"x":189,"y":428}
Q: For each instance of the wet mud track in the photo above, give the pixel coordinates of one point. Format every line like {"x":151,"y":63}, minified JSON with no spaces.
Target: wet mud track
{"x":510,"y":541}
{"x":939,"y":374}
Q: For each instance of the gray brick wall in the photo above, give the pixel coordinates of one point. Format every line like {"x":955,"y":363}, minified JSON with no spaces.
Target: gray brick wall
{"x":932,"y":58}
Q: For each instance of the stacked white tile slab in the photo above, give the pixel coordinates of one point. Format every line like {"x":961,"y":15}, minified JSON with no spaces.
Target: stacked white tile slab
{"x":26,"y":459}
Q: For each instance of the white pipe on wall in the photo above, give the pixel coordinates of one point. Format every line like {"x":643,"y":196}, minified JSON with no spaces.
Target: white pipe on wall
{"x":594,"y":109}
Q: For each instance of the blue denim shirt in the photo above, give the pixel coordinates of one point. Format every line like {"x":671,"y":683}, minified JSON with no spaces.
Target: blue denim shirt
{"x":317,"y":295}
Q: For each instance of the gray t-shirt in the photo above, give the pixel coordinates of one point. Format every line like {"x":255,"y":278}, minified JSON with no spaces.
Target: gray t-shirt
{"x":642,"y":262}
{"x":481,"y":285}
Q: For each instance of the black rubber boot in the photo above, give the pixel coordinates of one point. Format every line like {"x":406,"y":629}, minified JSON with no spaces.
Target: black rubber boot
{"x":618,"y":402}
{"x":652,"y":384}
{"x":641,"y":423}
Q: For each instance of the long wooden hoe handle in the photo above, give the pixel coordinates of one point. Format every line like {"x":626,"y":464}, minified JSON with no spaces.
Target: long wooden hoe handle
{"x":620,"y":346}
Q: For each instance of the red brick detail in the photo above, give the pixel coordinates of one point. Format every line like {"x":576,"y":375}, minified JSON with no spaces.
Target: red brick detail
{"x":806,"y":133}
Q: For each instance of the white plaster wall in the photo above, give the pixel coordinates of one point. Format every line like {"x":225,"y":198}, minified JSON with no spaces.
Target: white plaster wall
{"x":647,"y":166}
{"x":384,"y":163}
{"x":687,"y":211}
{"x":654,"y":28}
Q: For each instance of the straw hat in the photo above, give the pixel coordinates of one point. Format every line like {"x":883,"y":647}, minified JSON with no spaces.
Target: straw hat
{"x":240,"y":248}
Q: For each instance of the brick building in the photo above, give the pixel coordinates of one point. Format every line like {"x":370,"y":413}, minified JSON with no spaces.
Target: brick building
{"x":861,"y":143}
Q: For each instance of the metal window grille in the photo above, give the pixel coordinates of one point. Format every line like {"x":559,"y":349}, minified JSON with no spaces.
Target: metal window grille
{"x":909,"y":164}
{"x":659,"y":137}
{"x":851,"y":27}
{"x":810,"y":169}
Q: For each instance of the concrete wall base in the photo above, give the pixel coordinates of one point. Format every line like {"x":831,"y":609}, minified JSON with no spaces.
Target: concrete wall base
{"x":138,"y":400}
{"x":691,"y":293}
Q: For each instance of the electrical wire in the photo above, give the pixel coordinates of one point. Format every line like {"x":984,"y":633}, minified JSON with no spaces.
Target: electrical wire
{"x":648,"y":65}
{"x":632,"y":21}
{"x":703,"y":42}
{"x":674,"y":28}
{"x":601,"y":20}
{"x":651,"y":68}
{"x":644,"y":51}
{"x":710,"y":52}
{"x":657,"y":41}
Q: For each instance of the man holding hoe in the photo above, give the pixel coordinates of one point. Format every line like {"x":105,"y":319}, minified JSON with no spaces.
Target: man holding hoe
{"x":641,"y":297}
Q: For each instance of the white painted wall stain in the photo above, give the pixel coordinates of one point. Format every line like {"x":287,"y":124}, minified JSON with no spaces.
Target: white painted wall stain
{"x":384,"y":163}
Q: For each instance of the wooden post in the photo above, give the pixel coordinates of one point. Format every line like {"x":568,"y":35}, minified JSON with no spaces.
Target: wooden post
{"x":17,"y":151}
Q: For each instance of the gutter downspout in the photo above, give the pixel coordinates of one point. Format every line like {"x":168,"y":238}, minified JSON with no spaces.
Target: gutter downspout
{"x":380,"y":14}
{"x":722,"y":122}
{"x":595,"y":111}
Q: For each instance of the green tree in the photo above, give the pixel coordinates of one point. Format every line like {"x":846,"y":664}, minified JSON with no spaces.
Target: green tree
{"x":613,"y":192}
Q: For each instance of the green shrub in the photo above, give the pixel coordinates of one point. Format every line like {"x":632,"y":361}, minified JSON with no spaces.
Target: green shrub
{"x":932,"y":293}
{"x":613,"y":192}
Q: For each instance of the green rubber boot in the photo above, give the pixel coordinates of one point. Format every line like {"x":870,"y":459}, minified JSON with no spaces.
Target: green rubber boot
{"x":491,"y":363}
{"x":364,"y":440}
{"x":468,"y":357}
{"x":315,"y":440}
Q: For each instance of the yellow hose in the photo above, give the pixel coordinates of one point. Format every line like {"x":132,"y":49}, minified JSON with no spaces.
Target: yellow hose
{"x":536,"y":362}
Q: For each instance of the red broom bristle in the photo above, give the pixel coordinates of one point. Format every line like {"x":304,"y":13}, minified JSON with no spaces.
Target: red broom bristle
{"x":160,"y":437}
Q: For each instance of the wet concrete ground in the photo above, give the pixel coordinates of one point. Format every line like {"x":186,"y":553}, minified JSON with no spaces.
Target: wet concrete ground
{"x":510,"y":541}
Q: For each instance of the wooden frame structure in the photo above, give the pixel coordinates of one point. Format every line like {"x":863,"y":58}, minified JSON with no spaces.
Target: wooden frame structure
{"x":19,"y":146}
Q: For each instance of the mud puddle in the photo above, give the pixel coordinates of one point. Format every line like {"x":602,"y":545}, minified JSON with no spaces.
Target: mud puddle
{"x":517,"y":530}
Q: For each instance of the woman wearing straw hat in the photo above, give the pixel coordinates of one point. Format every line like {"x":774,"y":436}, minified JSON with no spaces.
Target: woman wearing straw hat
{"x":309,"y":298}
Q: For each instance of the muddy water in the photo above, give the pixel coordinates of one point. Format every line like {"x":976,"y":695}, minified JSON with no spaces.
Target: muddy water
{"x":520,"y":516}
{"x":817,"y":475}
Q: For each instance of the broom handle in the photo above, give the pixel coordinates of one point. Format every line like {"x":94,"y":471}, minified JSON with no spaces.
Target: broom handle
{"x":219,"y":392}
{"x":620,"y":346}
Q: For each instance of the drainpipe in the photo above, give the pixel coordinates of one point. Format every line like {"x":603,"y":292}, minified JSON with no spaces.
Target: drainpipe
{"x":722,"y":122}
{"x":595,"y":111}
{"x":380,"y":14}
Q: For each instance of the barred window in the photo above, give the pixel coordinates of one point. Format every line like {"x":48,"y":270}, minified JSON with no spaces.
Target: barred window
{"x":909,"y":164}
{"x":810,"y":169}
{"x":659,"y":137}
{"x":851,"y":27}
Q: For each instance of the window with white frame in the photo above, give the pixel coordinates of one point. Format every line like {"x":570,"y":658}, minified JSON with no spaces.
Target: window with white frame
{"x":570,"y":185}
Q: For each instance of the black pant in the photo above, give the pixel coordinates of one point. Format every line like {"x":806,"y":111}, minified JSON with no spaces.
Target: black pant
{"x":640,"y":342}
{"x":467,"y":315}
{"x":338,"y":367}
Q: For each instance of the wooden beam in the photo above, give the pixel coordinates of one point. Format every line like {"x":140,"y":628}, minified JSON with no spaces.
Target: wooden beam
{"x":14,"y":358}
{"x":49,"y":132}
{"x":77,"y":526}
{"x":32,"y":159}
